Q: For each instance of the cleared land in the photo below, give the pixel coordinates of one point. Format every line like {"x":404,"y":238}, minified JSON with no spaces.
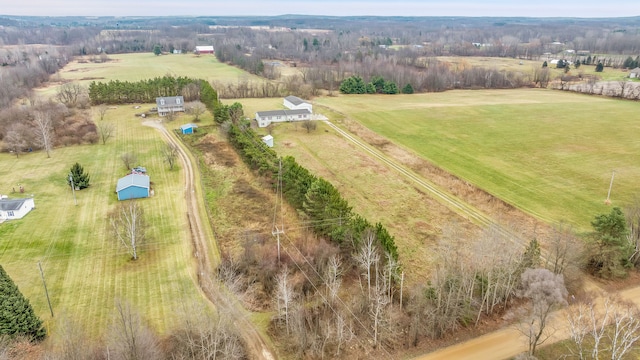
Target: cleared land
{"x":86,"y":269}
{"x":140,"y":66}
{"x":549,"y":153}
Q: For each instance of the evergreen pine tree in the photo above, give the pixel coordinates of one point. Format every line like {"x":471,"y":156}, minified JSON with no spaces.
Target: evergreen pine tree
{"x":16,"y":314}
{"x":407,"y":89}
{"x":80,"y":178}
{"x":599,"y":67}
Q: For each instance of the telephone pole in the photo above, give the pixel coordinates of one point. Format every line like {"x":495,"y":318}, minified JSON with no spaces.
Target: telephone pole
{"x":613,"y":174}
{"x":45,"y":288}
{"x":277,"y":231}
{"x":73,"y":189}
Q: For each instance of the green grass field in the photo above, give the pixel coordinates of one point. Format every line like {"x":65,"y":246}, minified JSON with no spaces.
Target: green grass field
{"x":86,"y":269}
{"x":140,"y":66}
{"x":549,"y":153}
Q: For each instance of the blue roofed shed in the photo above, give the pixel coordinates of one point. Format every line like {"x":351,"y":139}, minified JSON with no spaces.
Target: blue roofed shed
{"x":188,"y":128}
{"x":133,"y":186}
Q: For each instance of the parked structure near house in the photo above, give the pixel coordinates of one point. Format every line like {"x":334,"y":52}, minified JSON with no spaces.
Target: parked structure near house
{"x":169,"y":104}
{"x":634,"y":73}
{"x":188,"y":128}
{"x":264,"y":118}
{"x":12,"y":209}
{"x":295,"y":103}
{"x":133,"y":186}
{"x":268,"y":139}
{"x":205,"y":49}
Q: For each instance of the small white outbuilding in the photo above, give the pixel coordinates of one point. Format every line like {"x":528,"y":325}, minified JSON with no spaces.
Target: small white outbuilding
{"x":268,"y":139}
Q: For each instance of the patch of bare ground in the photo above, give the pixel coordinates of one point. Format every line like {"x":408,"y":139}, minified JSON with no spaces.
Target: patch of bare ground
{"x":505,"y":214}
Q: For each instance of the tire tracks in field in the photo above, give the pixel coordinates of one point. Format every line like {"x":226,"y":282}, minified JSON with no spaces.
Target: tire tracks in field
{"x":224,"y":301}
{"x":449,"y":200}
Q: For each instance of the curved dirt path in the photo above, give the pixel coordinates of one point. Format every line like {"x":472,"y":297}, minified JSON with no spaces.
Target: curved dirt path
{"x":225,"y":302}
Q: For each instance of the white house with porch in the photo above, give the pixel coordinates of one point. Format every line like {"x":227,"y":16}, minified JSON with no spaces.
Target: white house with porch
{"x":264,"y":118}
{"x":295,"y":103}
{"x":169,"y":104}
{"x":11,"y":209}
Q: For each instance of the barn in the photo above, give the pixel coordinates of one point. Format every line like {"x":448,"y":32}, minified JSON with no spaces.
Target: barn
{"x":133,"y":186}
{"x":205,"y":49}
{"x":295,"y":103}
{"x":11,"y":209}
{"x":188,"y":128}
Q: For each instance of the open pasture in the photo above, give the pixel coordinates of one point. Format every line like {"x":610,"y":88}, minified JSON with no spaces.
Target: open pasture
{"x":548,"y":153}
{"x":140,"y":66}
{"x":86,"y":270}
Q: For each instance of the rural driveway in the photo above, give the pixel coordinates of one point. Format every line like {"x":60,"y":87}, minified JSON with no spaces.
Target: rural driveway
{"x":212,"y":289}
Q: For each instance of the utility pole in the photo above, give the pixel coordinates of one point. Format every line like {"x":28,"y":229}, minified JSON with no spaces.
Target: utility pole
{"x":613,"y":174}
{"x":277,"y":231}
{"x":73,"y":189}
{"x":45,"y":288}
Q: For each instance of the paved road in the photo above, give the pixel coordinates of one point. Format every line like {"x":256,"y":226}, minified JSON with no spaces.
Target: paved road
{"x":225,"y":302}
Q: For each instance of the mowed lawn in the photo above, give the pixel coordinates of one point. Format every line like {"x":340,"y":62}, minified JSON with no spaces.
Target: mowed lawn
{"x":547,"y":152}
{"x":86,"y":270}
{"x":141,"y":66}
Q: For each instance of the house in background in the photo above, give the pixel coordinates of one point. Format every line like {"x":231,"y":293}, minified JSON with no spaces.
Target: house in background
{"x":169,"y":104}
{"x":634,"y":73}
{"x":206,"y":49}
{"x":11,"y":209}
{"x":264,"y":118}
{"x":188,"y":128}
{"x":295,"y":103}
{"x":268,"y":139}
{"x":133,"y":186}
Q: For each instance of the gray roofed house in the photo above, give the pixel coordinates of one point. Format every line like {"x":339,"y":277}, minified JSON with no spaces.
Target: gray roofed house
{"x":15,"y":208}
{"x":634,"y":73}
{"x":264,"y":118}
{"x":169,"y":104}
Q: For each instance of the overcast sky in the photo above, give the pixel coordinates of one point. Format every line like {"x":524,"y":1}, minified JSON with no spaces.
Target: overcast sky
{"x":527,"y":8}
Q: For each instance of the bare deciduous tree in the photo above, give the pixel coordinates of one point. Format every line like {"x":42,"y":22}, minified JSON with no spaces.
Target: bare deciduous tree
{"x":367,"y":257}
{"x":69,"y":93}
{"x":170,"y":154}
{"x":129,"y":226}
{"x":102,"y":111}
{"x":603,"y":329}
{"x":196,"y":109}
{"x":105,"y":130}
{"x":546,"y":291}
{"x":129,"y":338}
{"x":284,"y":296}
{"x":128,"y":159}
{"x":309,"y":125}
{"x":14,"y":140}
{"x":44,"y":130}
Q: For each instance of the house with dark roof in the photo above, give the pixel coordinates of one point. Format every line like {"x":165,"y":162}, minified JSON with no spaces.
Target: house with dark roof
{"x":133,"y":186}
{"x":634,"y":73}
{"x":11,"y":209}
{"x":264,"y":118}
{"x":169,"y":104}
{"x":295,"y":103}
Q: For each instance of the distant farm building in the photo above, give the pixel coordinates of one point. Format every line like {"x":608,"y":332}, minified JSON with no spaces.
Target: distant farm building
{"x":295,"y":103}
{"x":634,"y":73}
{"x":264,"y":118}
{"x":205,"y":49}
{"x":169,"y":104}
{"x":133,"y":186}
{"x":188,"y":128}
{"x":11,"y":209}
{"x":268,"y":140}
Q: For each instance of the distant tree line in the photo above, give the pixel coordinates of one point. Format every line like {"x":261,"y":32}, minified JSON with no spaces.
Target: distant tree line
{"x":143,"y":91}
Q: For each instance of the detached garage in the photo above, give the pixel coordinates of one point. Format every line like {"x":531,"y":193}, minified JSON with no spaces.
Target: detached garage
{"x":133,"y":186}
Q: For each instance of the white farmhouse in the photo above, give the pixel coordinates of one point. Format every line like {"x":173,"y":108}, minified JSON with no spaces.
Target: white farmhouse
{"x":264,"y":118}
{"x":11,"y":209}
{"x":295,"y":103}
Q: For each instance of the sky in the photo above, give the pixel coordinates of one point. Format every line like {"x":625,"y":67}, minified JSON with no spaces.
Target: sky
{"x":500,"y":8}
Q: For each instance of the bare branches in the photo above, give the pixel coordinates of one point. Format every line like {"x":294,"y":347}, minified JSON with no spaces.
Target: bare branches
{"x":128,"y":159}
{"x":44,"y":130}
{"x":105,"y":131}
{"x":170,"y":154}
{"x":129,"y":226}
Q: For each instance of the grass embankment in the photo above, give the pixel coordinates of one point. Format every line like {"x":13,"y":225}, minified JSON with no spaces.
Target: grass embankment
{"x":549,"y":153}
{"x":86,"y":269}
